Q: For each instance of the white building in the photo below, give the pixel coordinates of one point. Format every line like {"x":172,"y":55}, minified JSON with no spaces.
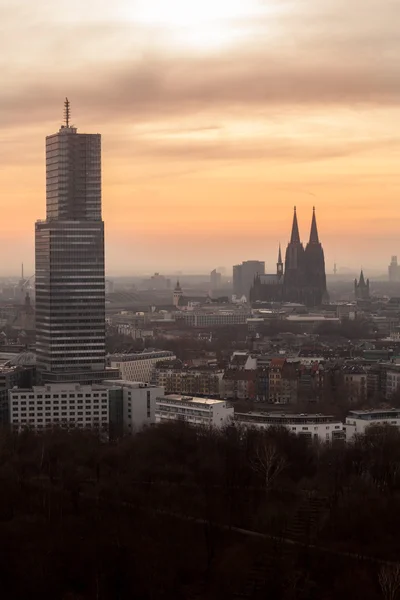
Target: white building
{"x":195,"y":411}
{"x":62,"y":404}
{"x":138,"y":403}
{"x":139,"y":366}
{"x":214,"y":319}
{"x":357,"y":421}
{"x":324,"y":428}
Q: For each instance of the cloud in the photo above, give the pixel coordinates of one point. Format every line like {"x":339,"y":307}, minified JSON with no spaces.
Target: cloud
{"x":318,"y":53}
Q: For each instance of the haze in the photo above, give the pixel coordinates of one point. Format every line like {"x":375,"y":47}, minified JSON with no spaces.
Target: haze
{"x":216,"y":118}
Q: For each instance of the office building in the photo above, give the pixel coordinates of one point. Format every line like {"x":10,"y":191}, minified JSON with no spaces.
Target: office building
{"x":70,"y":282}
{"x":59,"y":404}
{"x":138,"y":403}
{"x":194,"y":411}
{"x":139,"y":366}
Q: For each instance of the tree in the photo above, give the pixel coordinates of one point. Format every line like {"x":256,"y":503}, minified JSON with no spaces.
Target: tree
{"x":268,"y":461}
{"x":389,"y":580}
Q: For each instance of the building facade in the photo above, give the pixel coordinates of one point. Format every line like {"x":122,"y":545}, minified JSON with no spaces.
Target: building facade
{"x":191,"y":381}
{"x":303,"y":278}
{"x":60,"y":404}
{"x":70,"y":281}
{"x":358,"y":421}
{"x":322,"y":428}
{"x":194,"y":411}
{"x":139,"y":366}
{"x":138,"y":403}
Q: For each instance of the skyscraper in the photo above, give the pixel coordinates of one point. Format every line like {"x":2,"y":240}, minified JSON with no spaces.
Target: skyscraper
{"x":70,"y":281}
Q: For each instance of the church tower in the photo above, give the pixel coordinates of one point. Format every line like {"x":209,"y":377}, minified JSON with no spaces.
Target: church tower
{"x":361,"y":289}
{"x":294,"y":265}
{"x":315,"y":277}
{"x":178,"y":293}
{"x":279,"y":264}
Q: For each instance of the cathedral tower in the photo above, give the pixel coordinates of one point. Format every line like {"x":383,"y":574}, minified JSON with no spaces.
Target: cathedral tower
{"x":294,"y":265}
{"x":315,"y":277}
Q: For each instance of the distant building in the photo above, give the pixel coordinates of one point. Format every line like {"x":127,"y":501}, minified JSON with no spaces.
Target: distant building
{"x":282,"y":381}
{"x":139,"y":366}
{"x":194,"y":411}
{"x":355,"y":383}
{"x":394,"y":270}
{"x":315,"y":427}
{"x":219,"y":318}
{"x":244,"y":275}
{"x":194,"y":381}
{"x":358,"y":421}
{"x":215,"y":280}
{"x":303,"y":280}
{"x":59,"y":404}
{"x":361,"y":288}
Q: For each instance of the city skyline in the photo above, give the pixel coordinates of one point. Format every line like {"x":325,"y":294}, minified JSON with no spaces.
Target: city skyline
{"x":215,"y":122}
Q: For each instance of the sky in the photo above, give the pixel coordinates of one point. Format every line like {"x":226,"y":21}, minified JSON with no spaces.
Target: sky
{"x":217,"y":117}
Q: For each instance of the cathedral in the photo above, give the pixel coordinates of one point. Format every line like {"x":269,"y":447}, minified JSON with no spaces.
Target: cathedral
{"x":302,"y":279}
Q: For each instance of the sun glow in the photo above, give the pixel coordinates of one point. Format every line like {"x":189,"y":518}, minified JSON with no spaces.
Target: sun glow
{"x":186,"y":13}
{"x":207,"y":24}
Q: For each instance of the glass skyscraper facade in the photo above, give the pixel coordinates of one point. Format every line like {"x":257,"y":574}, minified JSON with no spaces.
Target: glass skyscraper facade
{"x":70,"y":279}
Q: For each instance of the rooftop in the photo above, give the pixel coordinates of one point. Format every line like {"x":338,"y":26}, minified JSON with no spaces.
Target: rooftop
{"x":190,"y":399}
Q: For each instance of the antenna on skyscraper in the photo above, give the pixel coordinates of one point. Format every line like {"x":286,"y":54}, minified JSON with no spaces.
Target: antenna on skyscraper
{"x":67,"y":112}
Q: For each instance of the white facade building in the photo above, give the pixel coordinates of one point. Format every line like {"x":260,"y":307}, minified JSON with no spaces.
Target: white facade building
{"x":215,"y":319}
{"x":323,"y":428}
{"x":139,"y":366}
{"x":59,"y":404}
{"x":138,"y":403}
{"x":195,"y":411}
{"x":357,"y":421}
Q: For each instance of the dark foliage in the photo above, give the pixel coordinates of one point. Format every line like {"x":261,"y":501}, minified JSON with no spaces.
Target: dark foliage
{"x":161,"y":515}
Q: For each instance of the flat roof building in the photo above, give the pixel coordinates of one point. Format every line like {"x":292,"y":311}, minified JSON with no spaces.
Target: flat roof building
{"x":195,"y":411}
{"x":317,"y":427}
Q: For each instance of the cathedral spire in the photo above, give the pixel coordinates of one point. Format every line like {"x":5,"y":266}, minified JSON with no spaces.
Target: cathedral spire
{"x":279,"y":255}
{"x":362,"y":280}
{"x":295,"y":237}
{"x":314,"y":231}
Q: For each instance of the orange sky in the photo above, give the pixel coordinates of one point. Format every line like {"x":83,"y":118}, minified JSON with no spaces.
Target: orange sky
{"x":217,"y":117}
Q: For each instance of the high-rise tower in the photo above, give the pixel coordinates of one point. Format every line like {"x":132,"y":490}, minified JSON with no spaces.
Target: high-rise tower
{"x":70,"y":281}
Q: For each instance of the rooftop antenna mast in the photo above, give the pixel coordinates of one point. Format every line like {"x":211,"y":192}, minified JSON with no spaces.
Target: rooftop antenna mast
{"x":67,"y":112}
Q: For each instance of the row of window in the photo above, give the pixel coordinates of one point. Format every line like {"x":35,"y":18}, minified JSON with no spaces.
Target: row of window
{"x":40,"y":396}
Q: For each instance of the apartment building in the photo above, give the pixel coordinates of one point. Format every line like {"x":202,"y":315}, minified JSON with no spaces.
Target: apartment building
{"x":358,"y":421}
{"x":195,"y":411}
{"x":315,"y":427}
{"x":188,"y":381}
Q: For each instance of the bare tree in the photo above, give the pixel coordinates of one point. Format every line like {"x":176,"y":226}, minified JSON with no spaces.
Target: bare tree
{"x":389,"y":580}
{"x":268,"y":462}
